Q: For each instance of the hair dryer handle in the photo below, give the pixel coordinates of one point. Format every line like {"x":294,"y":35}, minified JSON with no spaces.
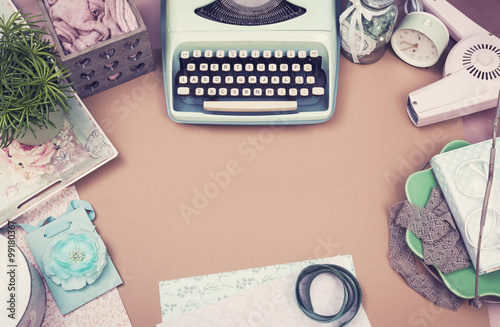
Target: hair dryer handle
{"x":459,"y":25}
{"x":456,"y":95}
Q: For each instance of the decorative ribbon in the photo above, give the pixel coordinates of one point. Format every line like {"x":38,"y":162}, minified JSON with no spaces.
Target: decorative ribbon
{"x":358,"y":12}
{"x":352,"y":292}
{"x":75,"y":204}
{"x":72,"y":206}
{"x":402,"y":259}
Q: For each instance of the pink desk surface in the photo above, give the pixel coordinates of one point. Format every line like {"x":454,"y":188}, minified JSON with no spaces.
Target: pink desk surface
{"x":185,"y":200}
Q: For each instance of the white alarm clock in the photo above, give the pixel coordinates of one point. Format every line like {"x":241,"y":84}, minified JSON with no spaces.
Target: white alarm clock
{"x":420,"y":39}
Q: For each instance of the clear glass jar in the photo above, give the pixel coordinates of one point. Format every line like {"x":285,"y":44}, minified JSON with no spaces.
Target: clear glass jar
{"x":366,"y":26}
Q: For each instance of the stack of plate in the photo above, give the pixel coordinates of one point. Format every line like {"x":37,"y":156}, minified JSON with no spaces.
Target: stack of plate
{"x":461,"y":282}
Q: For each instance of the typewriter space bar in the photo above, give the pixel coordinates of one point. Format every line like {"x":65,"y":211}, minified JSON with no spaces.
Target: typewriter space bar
{"x":250,"y":106}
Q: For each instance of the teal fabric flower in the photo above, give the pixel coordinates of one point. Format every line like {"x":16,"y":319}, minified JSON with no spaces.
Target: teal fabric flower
{"x":76,"y":259}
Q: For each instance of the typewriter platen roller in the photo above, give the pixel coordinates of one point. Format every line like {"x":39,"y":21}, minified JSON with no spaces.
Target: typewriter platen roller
{"x":255,"y":12}
{"x":250,"y":62}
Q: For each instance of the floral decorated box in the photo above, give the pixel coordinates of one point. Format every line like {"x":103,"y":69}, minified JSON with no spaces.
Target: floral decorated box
{"x":30,"y":174}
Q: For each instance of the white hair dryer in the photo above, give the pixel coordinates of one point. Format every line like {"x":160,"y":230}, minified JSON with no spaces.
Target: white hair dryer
{"x":471,"y":75}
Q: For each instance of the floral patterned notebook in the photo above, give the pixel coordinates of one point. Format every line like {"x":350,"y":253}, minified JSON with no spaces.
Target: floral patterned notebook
{"x":180,"y":296}
{"x":261,"y":296}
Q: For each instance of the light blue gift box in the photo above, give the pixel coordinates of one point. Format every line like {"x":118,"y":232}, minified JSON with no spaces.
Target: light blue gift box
{"x":38,"y":241}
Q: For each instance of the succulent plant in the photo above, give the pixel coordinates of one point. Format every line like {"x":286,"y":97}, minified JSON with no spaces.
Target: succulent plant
{"x":32,"y":80}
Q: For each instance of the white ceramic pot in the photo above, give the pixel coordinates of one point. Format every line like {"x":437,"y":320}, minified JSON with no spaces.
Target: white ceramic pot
{"x":44,"y":135}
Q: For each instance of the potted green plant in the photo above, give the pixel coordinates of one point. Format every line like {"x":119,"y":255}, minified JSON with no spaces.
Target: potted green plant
{"x":33,"y":88}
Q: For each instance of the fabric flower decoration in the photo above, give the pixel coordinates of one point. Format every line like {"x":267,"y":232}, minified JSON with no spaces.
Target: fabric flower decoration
{"x":26,"y":162}
{"x":76,"y":259}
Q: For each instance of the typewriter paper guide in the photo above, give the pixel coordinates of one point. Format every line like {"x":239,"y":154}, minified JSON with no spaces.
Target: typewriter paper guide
{"x":310,"y":21}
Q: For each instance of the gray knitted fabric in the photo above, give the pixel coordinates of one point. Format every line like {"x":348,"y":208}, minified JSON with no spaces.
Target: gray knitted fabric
{"x":441,"y":242}
{"x":434,"y":226}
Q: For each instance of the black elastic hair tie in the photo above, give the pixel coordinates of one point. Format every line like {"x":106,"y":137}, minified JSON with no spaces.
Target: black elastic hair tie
{"x":352,"y":292}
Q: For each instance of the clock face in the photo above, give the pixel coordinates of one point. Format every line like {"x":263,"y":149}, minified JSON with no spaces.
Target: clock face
{"x":415,"y":47}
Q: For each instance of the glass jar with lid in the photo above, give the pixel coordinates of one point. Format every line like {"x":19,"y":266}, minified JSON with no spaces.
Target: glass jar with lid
{"x":365,"y":29}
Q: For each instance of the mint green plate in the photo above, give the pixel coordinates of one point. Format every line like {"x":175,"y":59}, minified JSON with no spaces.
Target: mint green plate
{"x":461,"y":282}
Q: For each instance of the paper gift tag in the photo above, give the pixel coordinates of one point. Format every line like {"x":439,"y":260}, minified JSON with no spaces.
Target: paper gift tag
{"x":77,"y":257}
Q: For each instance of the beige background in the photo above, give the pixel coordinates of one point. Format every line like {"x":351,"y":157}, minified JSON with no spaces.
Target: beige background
{"x":290,"y":193}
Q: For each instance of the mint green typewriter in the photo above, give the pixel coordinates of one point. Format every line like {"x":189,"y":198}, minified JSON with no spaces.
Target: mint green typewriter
{"x":250,"y":62}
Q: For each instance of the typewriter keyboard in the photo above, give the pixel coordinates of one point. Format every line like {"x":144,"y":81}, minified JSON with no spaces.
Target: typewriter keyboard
{"x":256,"y":81}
